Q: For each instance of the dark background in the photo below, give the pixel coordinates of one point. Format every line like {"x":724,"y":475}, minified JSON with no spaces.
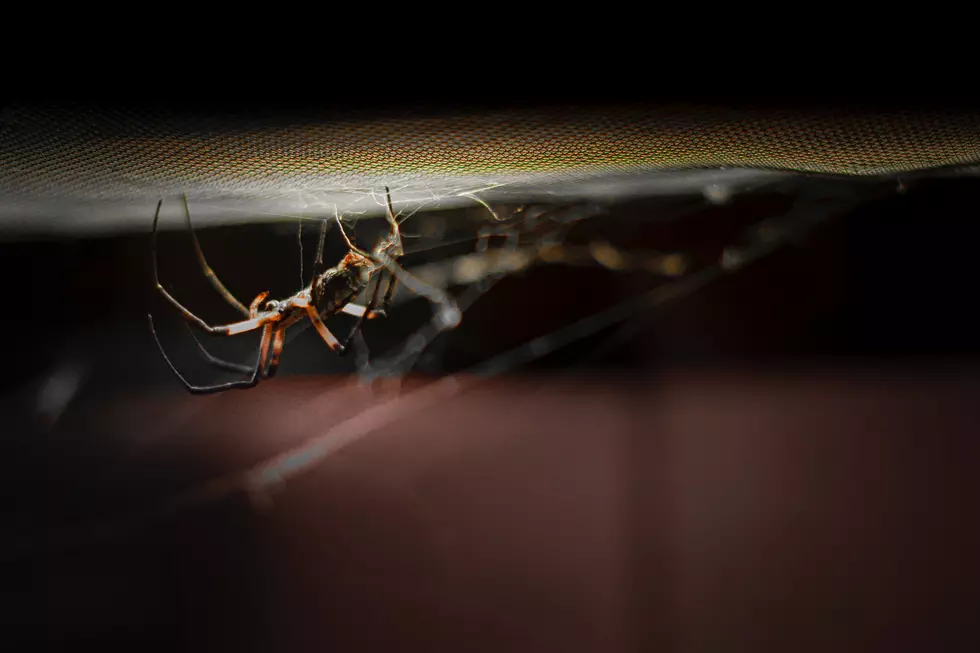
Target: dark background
{"x":783,"y":460}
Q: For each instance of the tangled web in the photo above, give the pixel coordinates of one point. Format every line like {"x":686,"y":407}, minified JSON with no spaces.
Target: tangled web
{"x":452,"y":260}
{"x":454,"y":257}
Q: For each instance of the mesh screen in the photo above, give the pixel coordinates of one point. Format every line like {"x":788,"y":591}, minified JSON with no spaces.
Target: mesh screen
{"x":91,"y":153}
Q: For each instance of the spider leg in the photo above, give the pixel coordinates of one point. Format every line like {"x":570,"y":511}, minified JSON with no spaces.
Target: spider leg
{"x":389,"y":209}
{"x":449,"y":316}
{"x":350,"y":243}
{"x":208,"y":272}
{"x":392,"y":286}
{"x":368,"y":311}
{"x":253,"y":308}
{"x":209,"y":389}
{"x":396,"y":234}
{"x":277,"y":343}
{"x":214,"y":360}
{"x":324,"y":332}
{"x":226,"y":329}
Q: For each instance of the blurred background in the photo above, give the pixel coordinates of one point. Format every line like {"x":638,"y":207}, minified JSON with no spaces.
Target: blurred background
{"x":778,"y":456}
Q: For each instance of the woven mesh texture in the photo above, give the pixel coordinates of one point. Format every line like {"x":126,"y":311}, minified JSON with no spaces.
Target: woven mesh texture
{"x":91,"y":154}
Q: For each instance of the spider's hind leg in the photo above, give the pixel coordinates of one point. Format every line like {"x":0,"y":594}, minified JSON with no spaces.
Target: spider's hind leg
{"x":220,"y":363}
{"x":260,"y":363}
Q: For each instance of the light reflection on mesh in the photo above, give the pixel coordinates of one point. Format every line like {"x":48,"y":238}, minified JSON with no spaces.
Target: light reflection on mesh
{"x":91,"y":154}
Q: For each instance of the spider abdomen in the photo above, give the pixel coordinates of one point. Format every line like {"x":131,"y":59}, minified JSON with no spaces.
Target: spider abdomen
{"x":336,"y":288}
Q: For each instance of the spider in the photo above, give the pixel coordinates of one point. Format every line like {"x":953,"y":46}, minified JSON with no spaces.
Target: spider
{"x":331,"y":291}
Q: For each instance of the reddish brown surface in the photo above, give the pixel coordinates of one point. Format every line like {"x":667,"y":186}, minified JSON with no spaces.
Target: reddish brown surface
{"x":823,"y":510}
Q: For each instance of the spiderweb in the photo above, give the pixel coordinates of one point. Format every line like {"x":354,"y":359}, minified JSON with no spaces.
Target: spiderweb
{"x":466,"y":251}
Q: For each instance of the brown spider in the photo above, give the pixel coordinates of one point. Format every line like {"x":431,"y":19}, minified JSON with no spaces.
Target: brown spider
{"x":331,"y":291}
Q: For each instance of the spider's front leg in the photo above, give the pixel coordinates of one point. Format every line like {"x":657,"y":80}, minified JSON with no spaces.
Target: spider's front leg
{"x":205,"y":268}
{"x":255,"y":321}
{"x":232,"y":329}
